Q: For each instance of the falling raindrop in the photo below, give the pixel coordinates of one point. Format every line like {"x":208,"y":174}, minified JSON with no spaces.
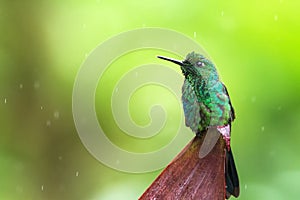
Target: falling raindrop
{"x":48,"y":123}
{"x":222,"y":13}
{"x":275,"y":17}
{"x":21,"y":86}
{"x":36,"y":85}
{"x":246,"y":186}
{"x":42,"y":187}
{"x":56,"y":114}
{"x":195,"y":34}
{"x":262,"y":129}
{"x":61,"y":187}
{"x":279,"y":108}
{"x":42,"y":107}
{"x":60,"y":157}
{"x":253,"y":99}
{"x":77,"y":173}
{"x":5,"y":100}
{"x":19,"y":189}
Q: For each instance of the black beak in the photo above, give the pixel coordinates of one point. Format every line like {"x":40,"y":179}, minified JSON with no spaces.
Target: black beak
{"x":171,"y":60}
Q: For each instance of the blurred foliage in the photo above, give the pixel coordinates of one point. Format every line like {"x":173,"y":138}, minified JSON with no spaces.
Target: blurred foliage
{"x":43,"y":43}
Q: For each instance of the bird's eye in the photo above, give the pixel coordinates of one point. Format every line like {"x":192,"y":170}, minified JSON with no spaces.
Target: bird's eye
{"x":200,"y":64}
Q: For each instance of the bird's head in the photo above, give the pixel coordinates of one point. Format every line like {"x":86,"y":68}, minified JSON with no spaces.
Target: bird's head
{"x":195,"y":66}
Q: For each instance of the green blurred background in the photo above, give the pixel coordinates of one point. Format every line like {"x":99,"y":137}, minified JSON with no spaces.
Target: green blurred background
{"x":255,"y":45}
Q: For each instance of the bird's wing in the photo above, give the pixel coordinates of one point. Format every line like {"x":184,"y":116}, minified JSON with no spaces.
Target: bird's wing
{"x":232,"y":110}
{"x":210,"y":139}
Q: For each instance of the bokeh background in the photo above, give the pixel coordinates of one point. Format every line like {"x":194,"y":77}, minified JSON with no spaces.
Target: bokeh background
{"x":255,"y":45}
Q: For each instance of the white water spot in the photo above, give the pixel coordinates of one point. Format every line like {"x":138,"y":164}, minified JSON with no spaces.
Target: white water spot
{"x":253,"y":99}
{"x":272,"y":153}
{"x":222,"y":13}
{"x":275,"y":18}
{"x":5,"y":101}
{"x":21,"y":86}
{"x":60,"y":157}
{"x":61,"y":187}
{"x":42,"y":187}
{"x":36,"y":85}
{"x":246,"y":186}
{"x":279,"y":108}
{"x":262,"y":129}
{"x":19,"y":189}
{"x":195,"y":34}
{"x":56,"y":114}
{"x":77,"y":173}
{"x":48,"y":123}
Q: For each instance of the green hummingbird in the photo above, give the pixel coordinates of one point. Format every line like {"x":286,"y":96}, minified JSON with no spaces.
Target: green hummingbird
{"x":208,"y":111}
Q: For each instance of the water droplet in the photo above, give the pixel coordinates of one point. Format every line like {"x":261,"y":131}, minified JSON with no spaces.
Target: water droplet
{"x":246,"y":186}
{"x":19,"y":189}
{"x":222,"y":13}
{"x":5,"y":100}
{"x":279,"y":108}
{"x":48,"y":123}
{"x":61,"y":187}
{"x":77,"y":173}
{"x":262,"y":128}
{"x":42,"y":107}
{"x":21,"y":86}
{"x":56,"y":114}
{"x":275,"y":17}
{"x":19,"y":166}
{"x":60,"y":157}
{"x":195,"y":34}
{"x":36,"y":85}
{"x":42,"y":187}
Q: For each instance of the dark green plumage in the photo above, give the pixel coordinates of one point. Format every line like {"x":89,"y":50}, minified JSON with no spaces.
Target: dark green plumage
{"x":203,"y":93}
{"x":208,"y":110}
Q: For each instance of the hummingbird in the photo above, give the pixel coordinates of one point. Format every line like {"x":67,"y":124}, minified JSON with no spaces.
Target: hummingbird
{"x":208,"y":113}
